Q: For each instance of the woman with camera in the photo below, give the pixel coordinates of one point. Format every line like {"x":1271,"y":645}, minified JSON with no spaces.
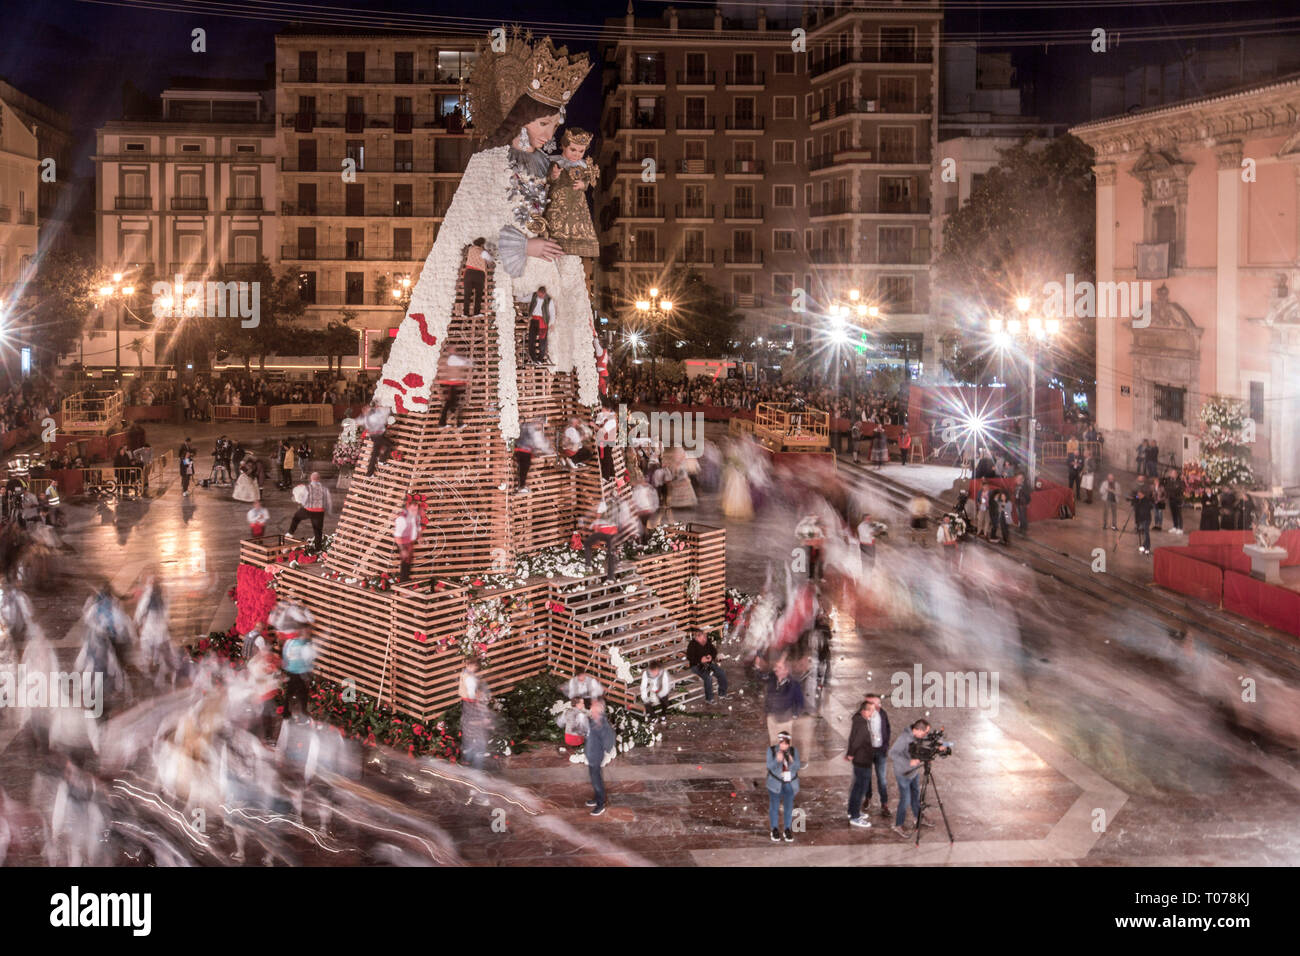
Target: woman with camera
{"x":782,"y":784}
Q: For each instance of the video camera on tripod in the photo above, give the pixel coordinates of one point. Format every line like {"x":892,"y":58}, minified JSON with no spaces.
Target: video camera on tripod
{"x":930,"y":746}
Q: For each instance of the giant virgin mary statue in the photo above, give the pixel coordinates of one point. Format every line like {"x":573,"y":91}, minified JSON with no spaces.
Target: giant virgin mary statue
{"x":518,"y":94}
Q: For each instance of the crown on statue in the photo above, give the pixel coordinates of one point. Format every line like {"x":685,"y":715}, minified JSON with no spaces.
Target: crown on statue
{"x":576,"y":136}
{"x":509,"y":68}
{"x":556,"y":76}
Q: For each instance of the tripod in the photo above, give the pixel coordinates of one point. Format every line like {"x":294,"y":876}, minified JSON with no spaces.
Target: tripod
{"x":926,"y":781}
{"x":1122,"y":530}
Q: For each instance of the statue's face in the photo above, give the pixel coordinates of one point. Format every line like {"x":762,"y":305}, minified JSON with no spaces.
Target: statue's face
{"x":541,"y":130}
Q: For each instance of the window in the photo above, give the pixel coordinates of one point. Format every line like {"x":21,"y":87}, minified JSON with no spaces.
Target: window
{"x":135,"y":147}
{"x":307,"y":287}
{"x":245,"y":185}
{"x":784,"y":63}
{"x":403,"y":67}
{"x":355,"y":150}
{"x":693,"y":199}
{"x":694,"y":151}
{"x":245,"y":148}
{"x":742,"y":283}
{"x":895,"y":244}
{"x":744,"y":151}
{"x":354,"y":199}
{"x":355,"y":244}
{"x":191,"y":148}
{"x":356,"y":67}
{"x":245,"y":249}
{"x":1165,"y":220}
{"x":896,"y":94}
{"x":744,"y":112}
{"x":403,"y":155}
{"x":783,"y":196}
{"x":306,"y":156}
{"x":896,"y":144}
{"x":1257,"y":402}
{"x":783,"y":284}
{"x":307,"y":66}
{"x":306,"y":242}
{"x":783,"y":151}
{"x":696,"y":116}
{"x":355,"y":285}
{"x":649,"y":68}
{"x":403,"y":201}
{"x":646,"y":197}
{"x":807,"y":194}
{"x":783,"y":240}
{"x":133,"y":184}
{"x":645,"y":149}
{"x":783,"y":107}
{"x":807,"y":239}
{"x":697,"y":68}
{"x":189,"y":248}
{"x":896,"y":293}
{"x":693,"y":245}
{"x":190,"y":185}
{"x":306,"y":199}
{"x":1169,"y":402}
{"x":402,"y":243}
{"x":745,"y":71}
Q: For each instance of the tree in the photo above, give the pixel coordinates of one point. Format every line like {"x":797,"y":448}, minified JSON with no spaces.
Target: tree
{"x":62,"y":295}
{"x":701,"y":319}
{"x":136,"y":345}
{"x":279,"y":305}
{"x":968,"y":364}
{"x":1029,"y":221}
{"x":1225,"y":437}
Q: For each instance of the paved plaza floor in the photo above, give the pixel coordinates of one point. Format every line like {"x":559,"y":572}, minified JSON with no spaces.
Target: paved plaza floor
{"x":1109,"y":740}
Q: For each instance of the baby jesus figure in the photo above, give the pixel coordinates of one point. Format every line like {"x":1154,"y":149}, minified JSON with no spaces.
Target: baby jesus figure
{"x":567,"y":217}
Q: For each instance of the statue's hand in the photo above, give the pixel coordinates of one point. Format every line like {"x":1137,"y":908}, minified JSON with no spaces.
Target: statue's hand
{"x":547,"y":249}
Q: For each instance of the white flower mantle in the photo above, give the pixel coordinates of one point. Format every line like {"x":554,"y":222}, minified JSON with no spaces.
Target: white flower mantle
{"x":481,"y":207}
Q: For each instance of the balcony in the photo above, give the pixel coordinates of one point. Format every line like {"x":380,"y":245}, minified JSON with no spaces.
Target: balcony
{"x":404,"y":210}
{"x":857,"y":106}
{"x":746,"y":123}
{"x":637,"y":255}
{"x":360,"y":122}
{"x":368,"y":76}
{"x":27,"y":217}
{"x":646,"y":77}
{"x":641,"y":211}
{"x":656,"y":121}
{"x":748,"y":78}
{"x":833,"y":256}
{"x":839,"y":206}
{"x":691,"y":255}
{"x":703,"y":124}
{"x":244,"y":204}
{"x":698,"y":78}
{"x":744,"y":212}
{"x":382,"y":164}
{"x":705,"y":212}
{"x":133,"y":202}
{"x":871,"y":54}
{"x":348,"y":252}
{"x":744,"y":300}
{"x":745,"y":167}
{"x":905,"y":157}
{"x":6,"y":214}
{"x":694,"y":167}
{"x":743,"y":257}
{"x":891,"y":256}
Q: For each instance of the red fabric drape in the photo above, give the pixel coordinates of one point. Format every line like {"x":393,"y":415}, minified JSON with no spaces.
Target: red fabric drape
{"x":1267,"y":603}
{"x":1184,"y":573}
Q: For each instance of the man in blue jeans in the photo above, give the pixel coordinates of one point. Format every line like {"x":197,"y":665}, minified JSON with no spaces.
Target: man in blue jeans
{"x":702,"y":656}
{"x":878,"y":726}
{"x":907,"y":773}
{"x":600,"y":741}
{"x":862,"y":754}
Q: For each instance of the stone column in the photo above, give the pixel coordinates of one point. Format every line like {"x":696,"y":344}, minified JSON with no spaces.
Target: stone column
{"x":1227,"y":261}
{"x":1107,"y":387}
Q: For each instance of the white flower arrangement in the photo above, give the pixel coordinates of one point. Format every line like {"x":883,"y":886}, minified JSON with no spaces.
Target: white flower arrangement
{"x":481,"y":206}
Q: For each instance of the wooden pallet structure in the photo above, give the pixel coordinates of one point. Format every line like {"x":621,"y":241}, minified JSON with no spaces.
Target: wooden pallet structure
{"x":396,"y":643}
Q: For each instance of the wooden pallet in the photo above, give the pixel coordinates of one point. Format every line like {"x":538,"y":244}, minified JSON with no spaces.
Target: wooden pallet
{"x":396,"y":644}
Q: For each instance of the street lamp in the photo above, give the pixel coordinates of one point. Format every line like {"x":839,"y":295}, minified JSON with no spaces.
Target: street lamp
{"x":120,"y":293}
{"x":1027,"y":330}
{"x":401,"y":290}
{"x":654,"y":309}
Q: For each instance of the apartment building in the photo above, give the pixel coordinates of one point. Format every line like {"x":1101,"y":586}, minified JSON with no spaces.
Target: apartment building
{"x":19,"y":177}
{"x":783,"y":161}
{"x":53,"y":131}
{"x":373,"y":136}
{"x":183,"y":186}
{"x":701,"y":152}
{"x":872,"y":124}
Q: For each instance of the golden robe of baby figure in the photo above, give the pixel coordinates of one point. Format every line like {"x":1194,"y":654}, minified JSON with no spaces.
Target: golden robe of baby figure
{"x":567,"y":217}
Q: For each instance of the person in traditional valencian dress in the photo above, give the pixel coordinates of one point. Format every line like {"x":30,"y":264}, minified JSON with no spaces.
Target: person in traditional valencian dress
{"x":517,"y":95}
{"x":568,"y":217}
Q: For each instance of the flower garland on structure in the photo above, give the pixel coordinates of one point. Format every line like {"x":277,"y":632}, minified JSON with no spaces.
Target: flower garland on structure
{"x":1225,"y":436}
{"x":692,"y":589}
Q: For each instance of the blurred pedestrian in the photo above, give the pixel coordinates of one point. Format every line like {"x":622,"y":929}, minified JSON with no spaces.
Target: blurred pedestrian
{"x":601,"y":741}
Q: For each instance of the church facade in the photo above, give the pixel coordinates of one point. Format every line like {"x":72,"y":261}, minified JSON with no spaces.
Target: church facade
{"x":1202,"y":200}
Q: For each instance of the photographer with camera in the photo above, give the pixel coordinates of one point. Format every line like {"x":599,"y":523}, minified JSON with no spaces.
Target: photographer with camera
{"x":907,"y":773}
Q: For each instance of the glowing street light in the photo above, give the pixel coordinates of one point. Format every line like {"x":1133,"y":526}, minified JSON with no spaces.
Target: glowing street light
{"x":654,"y":309}
{"x":1037,"y":329}
{"x":120,"y":294}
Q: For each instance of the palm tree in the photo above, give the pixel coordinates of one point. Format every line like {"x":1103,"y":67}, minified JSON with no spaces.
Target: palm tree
{"x":137,"y":346}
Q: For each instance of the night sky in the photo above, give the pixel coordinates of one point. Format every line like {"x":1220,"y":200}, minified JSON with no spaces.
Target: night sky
{"x":77,"y":56}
